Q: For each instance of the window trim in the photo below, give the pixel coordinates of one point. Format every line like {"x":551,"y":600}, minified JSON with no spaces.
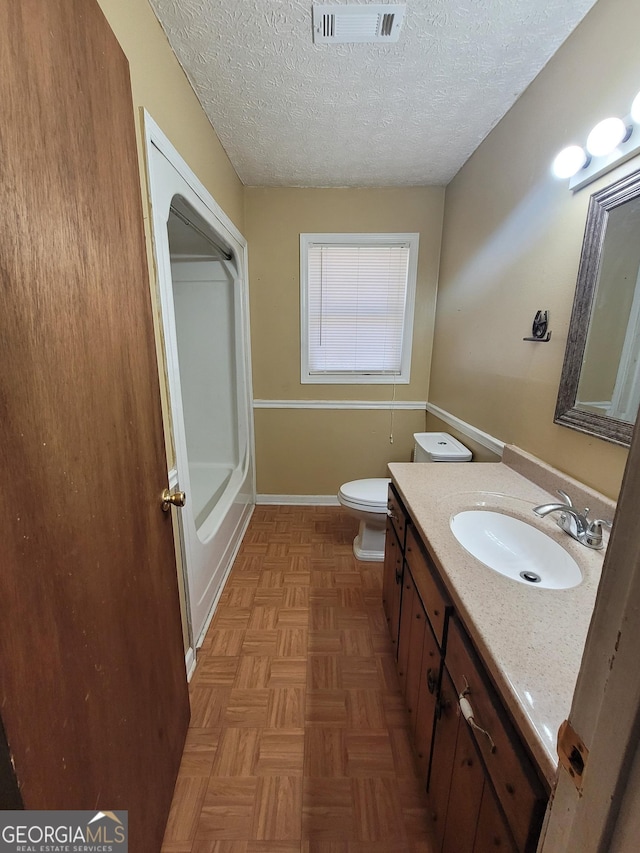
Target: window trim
{"x":358,"y":239}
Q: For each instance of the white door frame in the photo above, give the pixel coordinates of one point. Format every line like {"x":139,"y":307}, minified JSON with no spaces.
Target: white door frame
{"x":232,"y":528}
{"x":604,"y":815}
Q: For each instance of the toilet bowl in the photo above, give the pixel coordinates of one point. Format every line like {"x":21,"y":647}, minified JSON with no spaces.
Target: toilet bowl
{"x":366,"y":499}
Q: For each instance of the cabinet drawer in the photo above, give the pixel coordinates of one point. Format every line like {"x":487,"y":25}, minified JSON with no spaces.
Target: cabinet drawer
{"x":397,"y":514}
{"x":510,"y":769}
{"x":429,"y":589}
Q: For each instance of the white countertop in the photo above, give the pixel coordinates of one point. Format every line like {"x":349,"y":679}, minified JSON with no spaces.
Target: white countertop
{"x":531,"y":639}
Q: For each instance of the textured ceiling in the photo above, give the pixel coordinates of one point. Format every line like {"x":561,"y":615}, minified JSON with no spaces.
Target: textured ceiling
{"x":291,"y":113}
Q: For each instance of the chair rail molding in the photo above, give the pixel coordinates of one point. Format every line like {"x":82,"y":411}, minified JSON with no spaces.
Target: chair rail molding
{"x":482,"y":438}
{"x":396,"y":405}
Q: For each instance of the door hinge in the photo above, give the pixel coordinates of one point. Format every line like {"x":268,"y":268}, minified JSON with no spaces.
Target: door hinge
{"x":573,"y":753}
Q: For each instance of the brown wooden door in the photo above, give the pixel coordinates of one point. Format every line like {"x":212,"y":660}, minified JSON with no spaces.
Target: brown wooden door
{"x":92,"y":681}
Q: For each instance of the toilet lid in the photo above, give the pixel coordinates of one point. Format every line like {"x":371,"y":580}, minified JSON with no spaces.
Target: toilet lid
{"x":370,"y":493}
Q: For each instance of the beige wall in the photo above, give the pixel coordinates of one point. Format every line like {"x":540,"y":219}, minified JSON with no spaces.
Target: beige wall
{"x":159,"y":85}
{"x":305,"y":451}
{"x":511,"y":245}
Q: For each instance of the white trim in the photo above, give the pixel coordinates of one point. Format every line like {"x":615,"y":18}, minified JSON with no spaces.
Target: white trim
{"x":298,"y":500}
{"x":359,"y":239}
{"x":190,"y":663}
{"x":185,"y":608}
{"x":606,"y":701}
{"x":482,"y":438}
{"x":155,"y":136}
{"x":385,"y":405}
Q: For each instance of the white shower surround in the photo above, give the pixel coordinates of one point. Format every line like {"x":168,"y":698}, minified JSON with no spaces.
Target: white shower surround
{"x":209,"y":544}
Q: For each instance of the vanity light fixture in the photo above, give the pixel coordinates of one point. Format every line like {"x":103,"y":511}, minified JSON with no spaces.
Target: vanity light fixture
{"x":610,"y":143}
{"x":606,"y":136}
{"x":569,"y":161}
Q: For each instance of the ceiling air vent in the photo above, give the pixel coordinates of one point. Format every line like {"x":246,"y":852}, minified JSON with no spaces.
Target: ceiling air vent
{"x":357,"y":24}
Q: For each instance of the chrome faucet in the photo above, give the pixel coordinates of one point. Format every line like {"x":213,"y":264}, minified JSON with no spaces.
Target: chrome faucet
{"x":576,"y":523}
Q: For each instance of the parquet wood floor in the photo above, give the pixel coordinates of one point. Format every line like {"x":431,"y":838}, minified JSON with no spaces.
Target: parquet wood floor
{"x":298,"y":741}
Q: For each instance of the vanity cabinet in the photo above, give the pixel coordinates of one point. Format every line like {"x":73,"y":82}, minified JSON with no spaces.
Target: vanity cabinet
{"x":394,"y":563}
{"x":421,"y":646}
{"x":509,"y":770}
{"x":428,"y":683}
{"x":404,"y":630}
{"x":483,"y":789}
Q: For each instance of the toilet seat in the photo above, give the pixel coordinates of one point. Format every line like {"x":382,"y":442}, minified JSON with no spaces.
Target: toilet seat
{"x":369,"y":495}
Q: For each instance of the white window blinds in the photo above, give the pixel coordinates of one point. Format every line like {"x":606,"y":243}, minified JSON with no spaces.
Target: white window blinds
{"x":356,"y":301}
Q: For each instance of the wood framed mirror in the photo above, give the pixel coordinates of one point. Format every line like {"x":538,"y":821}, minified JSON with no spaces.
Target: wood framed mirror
{"x":600,"y":383}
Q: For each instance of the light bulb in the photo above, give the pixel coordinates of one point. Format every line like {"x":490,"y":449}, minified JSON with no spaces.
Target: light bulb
{"x":569,"y":161}
{"x":635,"y":109}
{"x":606,"y":136}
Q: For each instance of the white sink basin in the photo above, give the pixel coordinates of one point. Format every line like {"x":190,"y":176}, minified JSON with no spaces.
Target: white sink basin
{"x":515,"y":549}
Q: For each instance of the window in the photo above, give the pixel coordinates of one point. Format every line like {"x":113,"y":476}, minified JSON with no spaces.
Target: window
{"x":357,"y":293}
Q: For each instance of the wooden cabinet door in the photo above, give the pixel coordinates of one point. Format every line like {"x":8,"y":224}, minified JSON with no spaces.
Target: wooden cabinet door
{"x":404,"y":634}
{"x":465,"y":795}
{"x":492,"y":834}
{"x":414,"y":657}
{"x":428,"y":682}
{"x":444,"y":748}
{"x":512,"y":772}
{"x":93,"y":691}
{"x":392,"y":583}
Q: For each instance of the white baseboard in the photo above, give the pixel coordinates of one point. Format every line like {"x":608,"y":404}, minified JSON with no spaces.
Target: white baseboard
{"x":190,"y":663}
{"x":298,"y":500}
{"x":494,"y":444}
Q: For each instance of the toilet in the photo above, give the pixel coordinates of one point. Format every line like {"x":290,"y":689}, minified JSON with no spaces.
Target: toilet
{"x":367,"y":499}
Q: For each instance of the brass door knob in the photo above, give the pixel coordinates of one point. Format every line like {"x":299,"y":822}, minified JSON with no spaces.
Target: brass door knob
{"x":170,"y":499}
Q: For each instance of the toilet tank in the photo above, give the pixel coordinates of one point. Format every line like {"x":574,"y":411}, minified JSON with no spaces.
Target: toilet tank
{"x":439,"y":447}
